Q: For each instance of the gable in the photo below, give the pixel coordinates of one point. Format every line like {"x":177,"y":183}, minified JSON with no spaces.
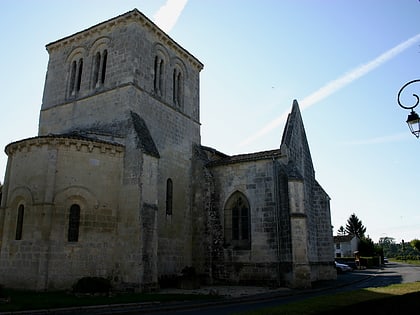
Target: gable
{"x":295,"y":144}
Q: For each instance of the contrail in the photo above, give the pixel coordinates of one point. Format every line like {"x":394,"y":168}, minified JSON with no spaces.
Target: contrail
{"x":335,"y":85}
{"x":168,"y":14}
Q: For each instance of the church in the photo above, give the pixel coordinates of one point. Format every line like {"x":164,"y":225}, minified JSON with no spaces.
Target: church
{"x":118,"y":185}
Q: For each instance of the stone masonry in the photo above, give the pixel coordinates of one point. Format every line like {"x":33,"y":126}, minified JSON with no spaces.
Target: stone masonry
{"x":118,"y":185}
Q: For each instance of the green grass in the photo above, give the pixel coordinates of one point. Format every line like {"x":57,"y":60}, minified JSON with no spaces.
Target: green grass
{"x":411,"y":262}
{"x":29,"y":300}
{"x":393,"y":299}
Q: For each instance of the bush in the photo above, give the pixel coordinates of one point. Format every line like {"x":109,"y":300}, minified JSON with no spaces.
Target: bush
{"x":92,"y":285}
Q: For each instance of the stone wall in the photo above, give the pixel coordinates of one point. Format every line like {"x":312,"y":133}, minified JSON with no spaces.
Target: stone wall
{"x":47,"y":176}
{"x":104,"y":112}
{"x":255,"y":179}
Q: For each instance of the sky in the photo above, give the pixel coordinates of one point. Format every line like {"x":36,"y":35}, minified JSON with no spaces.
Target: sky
{"x":343,"y":61}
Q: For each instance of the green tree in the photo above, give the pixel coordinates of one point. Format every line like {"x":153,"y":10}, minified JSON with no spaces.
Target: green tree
{"x":355,"y":227}
{"x":341,"y":231}
{"x":415,"y":244}
{"x":367,"y":247}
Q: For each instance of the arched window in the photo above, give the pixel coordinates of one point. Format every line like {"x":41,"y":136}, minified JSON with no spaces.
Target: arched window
{"x":177,"y":88}
{"x":237,"y":221}
{"x":19,"y":223}
{"x":159,"y":71}
{"x":74,"y":222}
{"x":169,"y":196}
{"x":99,"y":68}
{"x":75,"y":76}
{"x":103,"y":70}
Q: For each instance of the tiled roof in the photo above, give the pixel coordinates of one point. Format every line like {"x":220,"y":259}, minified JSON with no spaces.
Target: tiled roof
{"x":343,"y":238}
{"x":263,"y":155}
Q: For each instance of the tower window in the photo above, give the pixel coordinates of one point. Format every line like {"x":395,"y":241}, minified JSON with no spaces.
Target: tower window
{"x":177,"y":88}
{"x":74,"y":222}
{"x":169,"y":196}
{"x":99,"y":68}
{"x":75,"y":76}
{"x":158,"y":80}
{"x":19,"y":224}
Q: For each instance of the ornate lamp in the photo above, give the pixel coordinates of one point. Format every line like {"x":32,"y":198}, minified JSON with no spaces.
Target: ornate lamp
{"x":413,"y":119}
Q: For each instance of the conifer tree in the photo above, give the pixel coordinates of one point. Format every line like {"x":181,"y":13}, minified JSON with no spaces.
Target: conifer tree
{"x":355,"y":227}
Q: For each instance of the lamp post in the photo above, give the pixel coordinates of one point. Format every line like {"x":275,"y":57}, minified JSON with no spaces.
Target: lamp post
{"x":413,"y":119}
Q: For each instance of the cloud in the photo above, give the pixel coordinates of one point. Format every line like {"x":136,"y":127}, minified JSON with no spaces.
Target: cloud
{"x":168,"y":14}
{"x":335,"y":85}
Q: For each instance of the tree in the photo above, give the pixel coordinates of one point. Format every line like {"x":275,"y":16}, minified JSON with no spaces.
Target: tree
{"x":341,"y":231}
{"x":415,"y":244}
{"x":355,"y":227}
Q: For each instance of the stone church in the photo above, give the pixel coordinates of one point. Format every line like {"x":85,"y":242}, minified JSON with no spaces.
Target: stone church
{"x":118,"y":185}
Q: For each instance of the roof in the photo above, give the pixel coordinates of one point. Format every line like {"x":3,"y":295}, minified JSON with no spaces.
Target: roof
{"x":263,"y":155}
{"x":343,"y":238}
{"x":72,"y":136}
{"x":145,"y":140}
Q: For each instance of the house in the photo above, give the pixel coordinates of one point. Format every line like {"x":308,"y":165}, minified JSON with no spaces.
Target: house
{"x":345,"y":245}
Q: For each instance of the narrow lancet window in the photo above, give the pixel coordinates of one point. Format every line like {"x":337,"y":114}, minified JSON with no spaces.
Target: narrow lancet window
{"x":19,"y":224}
{"x":79,"y":75}
{"x":74,"y":222}
{"x":103,"y":70}
{"x":159,"y":71}
{"x":177,"y":87}
{"x":73,"y":77}
{"x":169,"y":196}
{"x":96,"y":65}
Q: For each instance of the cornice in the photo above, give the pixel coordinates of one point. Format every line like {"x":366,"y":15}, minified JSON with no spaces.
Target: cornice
{"x":78,"y":143}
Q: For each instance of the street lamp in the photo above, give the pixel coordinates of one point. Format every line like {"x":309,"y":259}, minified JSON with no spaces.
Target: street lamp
{"x":413,"y":119}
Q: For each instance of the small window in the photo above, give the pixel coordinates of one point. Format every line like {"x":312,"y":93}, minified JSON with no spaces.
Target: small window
{"x":177,"y":88}
{"x":99,"y":68}
{"x":79,"y":75}
{"x":19,"y":224}
{"x":76,"y":70}
{"x":74,"y":222}
{"x":96,"y":66}
{"x":158,"y":80}
{"x":73,"y":77}
{"x":103,"y":70}
{"x":169,"y":195}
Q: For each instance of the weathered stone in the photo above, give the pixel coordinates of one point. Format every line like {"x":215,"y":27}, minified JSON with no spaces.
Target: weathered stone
{"x":117,"y":184}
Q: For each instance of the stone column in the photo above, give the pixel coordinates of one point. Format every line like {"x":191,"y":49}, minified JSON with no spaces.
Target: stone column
{"x":47,"y":208}
{"x":299,"y":235}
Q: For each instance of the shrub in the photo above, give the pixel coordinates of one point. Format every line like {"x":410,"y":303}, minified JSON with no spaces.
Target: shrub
{"x":92,"y":285}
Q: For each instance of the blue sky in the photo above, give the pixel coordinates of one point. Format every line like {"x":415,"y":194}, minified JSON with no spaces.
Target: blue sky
{"x":344,"y":62}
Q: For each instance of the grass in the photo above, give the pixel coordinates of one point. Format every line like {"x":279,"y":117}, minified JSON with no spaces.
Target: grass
{"x":393,"y":299}
{"x":407,"y":261}
{"x":29,"y":300}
